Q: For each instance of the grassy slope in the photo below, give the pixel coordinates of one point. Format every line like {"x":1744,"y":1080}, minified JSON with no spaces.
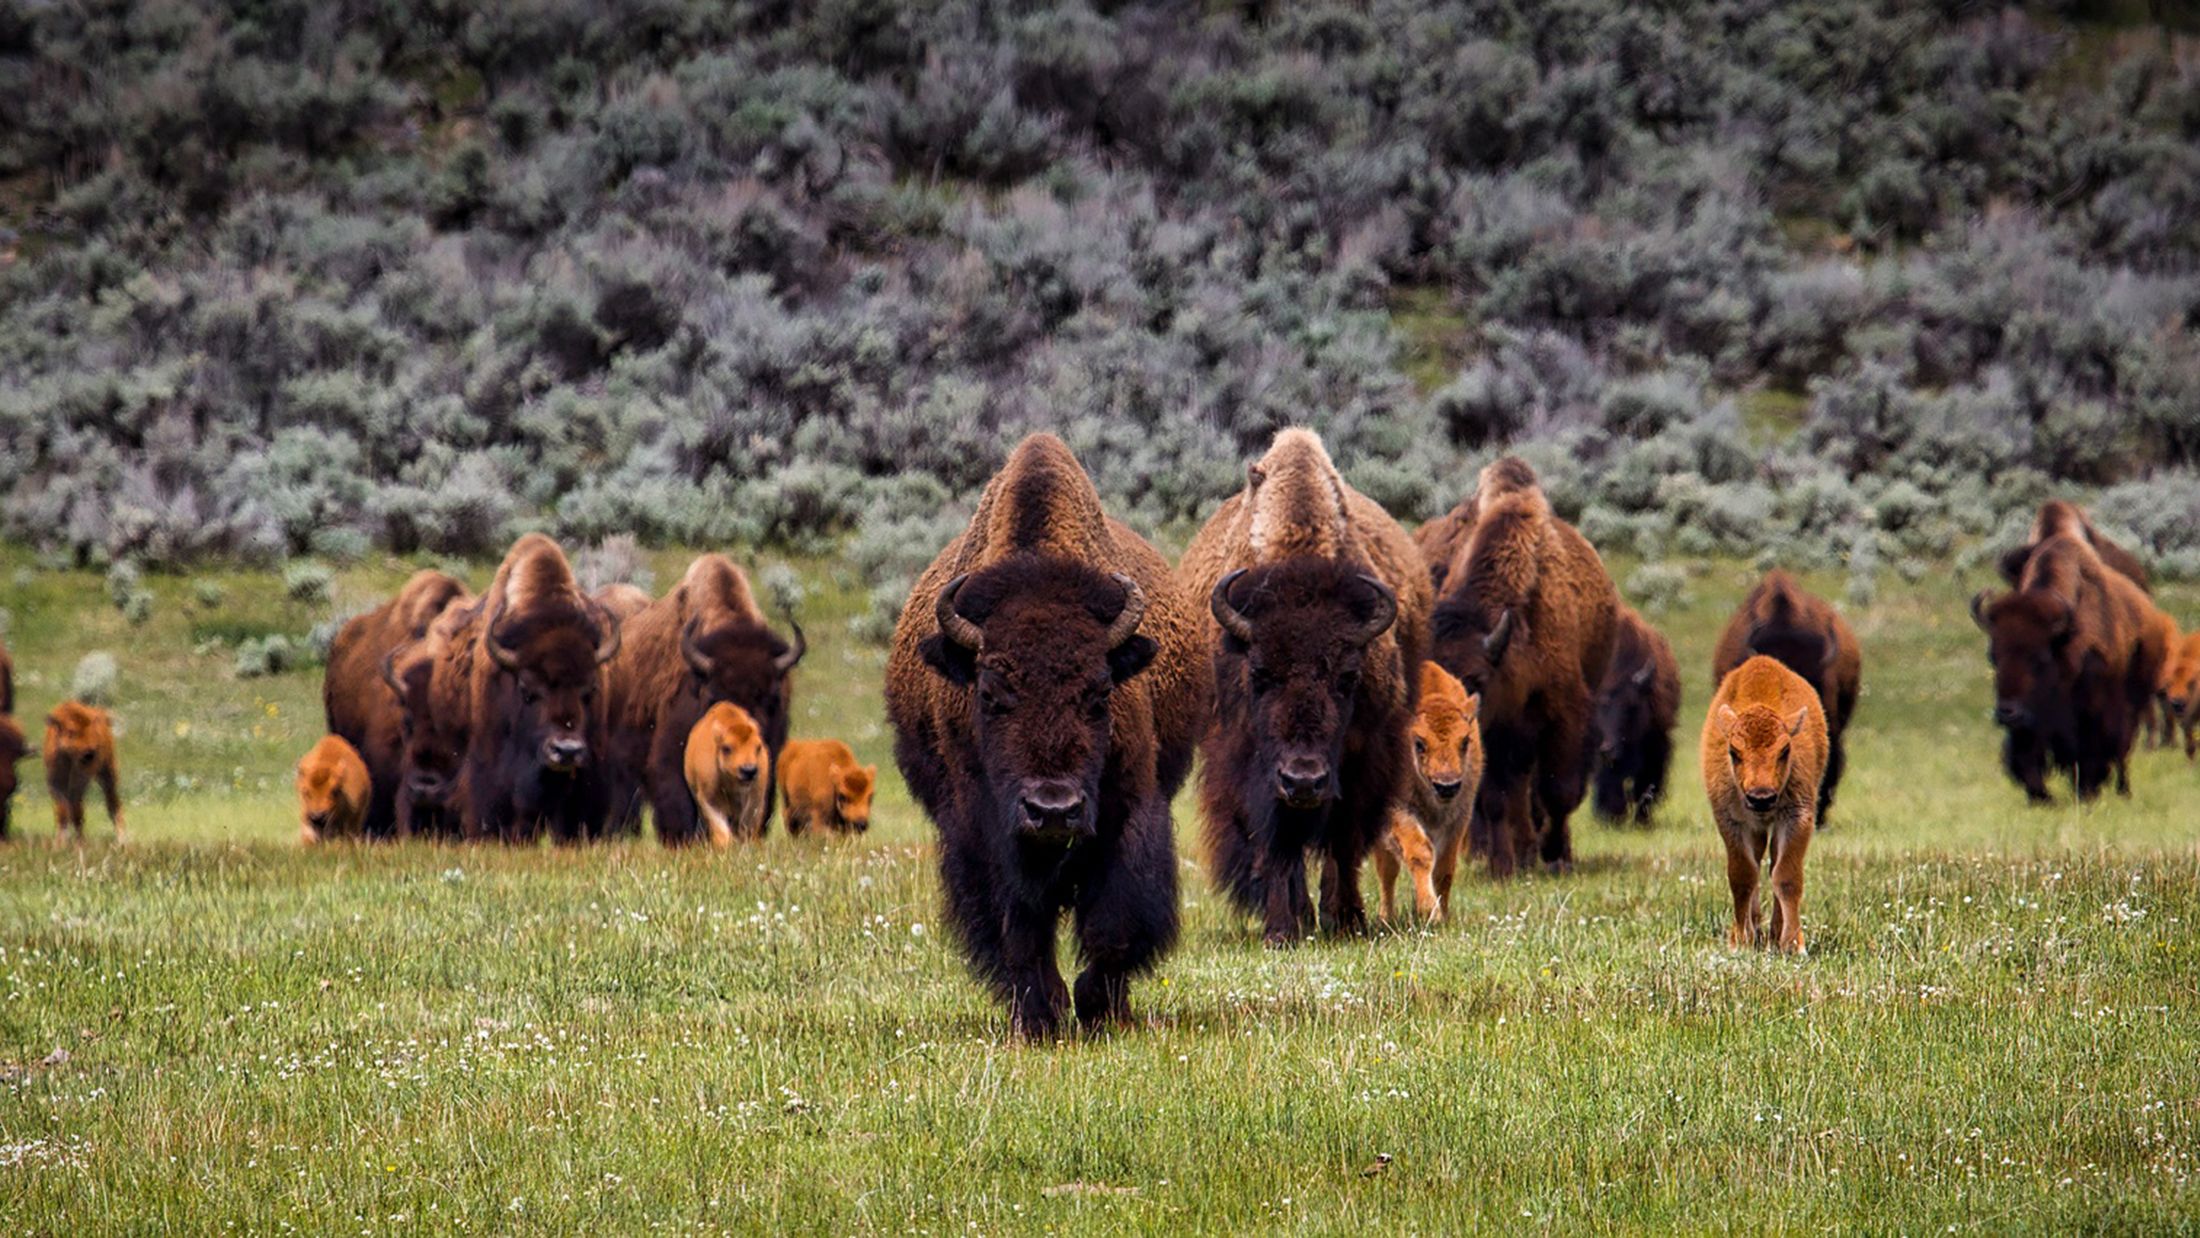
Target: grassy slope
{"x":1996,"y":1025}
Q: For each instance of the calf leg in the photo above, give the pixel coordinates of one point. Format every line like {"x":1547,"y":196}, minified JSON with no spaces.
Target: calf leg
{"x":113,"y":796}
{"x":1787,"y":887}
{"x":1406,"y":843}
{"x":1744,"y":855}
{"x":68,"y":819}
{"x":1445,"y":868}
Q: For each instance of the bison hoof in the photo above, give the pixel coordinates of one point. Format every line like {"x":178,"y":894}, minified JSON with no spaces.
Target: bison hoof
{"x":1279,"y":939}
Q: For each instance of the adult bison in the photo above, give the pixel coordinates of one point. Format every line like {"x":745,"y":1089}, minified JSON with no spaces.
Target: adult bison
{"x":535,"y":745}
{"x":1637,"y":706}
{"x":704,"y":643}
{"x":1526,"y":620}
{"x":1045,"y":693}
{"x":2076,"y":661}
{"x":2059,"y":518}
{"x":432,"y":682}
{"x":1801,"y":631}
{"x":1316,"y":627}
{"x":355,"y":692}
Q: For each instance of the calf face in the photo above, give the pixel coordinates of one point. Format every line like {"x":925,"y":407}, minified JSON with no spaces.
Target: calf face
{"x":1042,"y":645}
{"x":1297,"y":632}
{"x":1447,"y":735}
{"x":852,"y":787}
{"x":1759,"y":745}
{"x":737,"y":745}
{"x":2181,"y":683}
{"x":332,"y":782}
{"x":80,"y":738}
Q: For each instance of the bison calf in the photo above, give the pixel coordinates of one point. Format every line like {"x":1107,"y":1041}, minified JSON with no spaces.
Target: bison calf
{"x":1764,"y":755}
{"x":728,"y":771}
{"x":1637,"y":706}
{"x":1429,"y":828}
{"x":2181,"y":689}
{"x":80,"y":750}
{"x":334,"y":790}
{"x":823,"y":784}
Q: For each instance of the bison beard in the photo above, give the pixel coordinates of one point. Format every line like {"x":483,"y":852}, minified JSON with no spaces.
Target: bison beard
{"x":1044,"y":803}
{"x":1308,"y":759}
{"x":535,"y":759}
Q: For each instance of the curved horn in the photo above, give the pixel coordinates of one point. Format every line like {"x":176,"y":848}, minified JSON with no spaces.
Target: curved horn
{"x":1833,"y":651}
{"x":786,"y":662}
{"x":610,"y":632}
{"x":389,"y":669}
{"x":1126,"y":619}
{"x":697,"y":660}
{"x":1499,"y":636}
{"x":498,"y":650}
{"x":1978,"y":608}
{"x":1749,"y":638}
{"x":1386,"y":612}
{"x":1229,"y":616}
{"x":952,"y":624}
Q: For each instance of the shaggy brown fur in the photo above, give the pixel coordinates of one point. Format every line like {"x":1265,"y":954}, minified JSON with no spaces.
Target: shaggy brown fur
{"x":2181,"y":689}
{"x":2058,"y":518}
{"x":1637,"y":707}
{"x":727,"y":769}
{"x":431,"y":680}
{"x":355,"y":689}
{"x":1764,"y":751}
{"x":707,"y":642}
{"x":1526,"y":620}
{"x":2156,"y":721}
{"x":14,"y":747}
{"x":1045,"y":741}
{"x":79,"y":751}
{"x":1783,"y":620}
{"x":1428,"y":829}
{"x":826,"y":786}
{"x":7,"y":681}
{"x":333,"y":791}
{"x":622,"y":599}
{"x":1316,"y":681}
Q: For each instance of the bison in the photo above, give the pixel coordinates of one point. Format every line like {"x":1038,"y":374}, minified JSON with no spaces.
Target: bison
{"x":431,"y":679}
{"x":1428,"y":829}
{"x":2076,"y":660}
{"x":1045,"y":692}
{"x":1636,"y":708}
{"x":360,"y":711}
{"x":823,"y":785}
{"x":1526,"y":620}
{"x":2159,"y":721}
{"x":2181,"y":689}
{"x":14,"y":747}
{"x":1782,"y":620}
{"x":7,"y":681}
{"x":2058,"y":518}
{"x":1316,"y":626}
{"x":334,"y":790}
{"x":728,"y":771}
{"x":1765,"y":747}
{"x":79,"y":751}
{"x":535,"y":743}
{"x":704,"y":643}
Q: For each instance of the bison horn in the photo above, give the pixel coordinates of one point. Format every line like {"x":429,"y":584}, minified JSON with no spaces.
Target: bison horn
{"x":498,"y":650}
{"x":952,"y":624}
{"x":1643,"y":674}
{"x":786,"y":662}
{"x":1499,"y":636}
{"x":389,"y":669}
{"x":1228,"y":615}
{"x":1126,"y":619}
{"x":1385,"y":613}
{"x":1978,"y":609}
{"x":610,"y":633}
{"x":696,"y":658}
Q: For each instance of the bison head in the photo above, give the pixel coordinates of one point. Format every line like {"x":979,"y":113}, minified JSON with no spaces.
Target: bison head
{"x":2181,"y":685}
{"x":432,"y":734}
{"x":320,"y":790}
{"x":1623,"y":710}
{"x":80,"y":733}
{"x":13,"y":748}
{"x":553,"y":660}
{"x":1294,"y":637}
{"x":1759,"y":745}
{"x":744,"y":664}
{"x":1471,"y":644}
{"x":2027,"y":633}
{"x":1808,"y":651}
{"x":852,"y":789}
{"x":1042,"y":645}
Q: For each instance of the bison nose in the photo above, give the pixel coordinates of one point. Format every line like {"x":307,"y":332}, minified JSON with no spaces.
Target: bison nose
{"x":425,"y":783}
{"x":1301,"y":781}
{"x":1052,"y":805}
{"x":319,"y":820}
{"x":1445,"y":790}
{"x":746,"y":773}
{"x":564,"y":752}
{"x":2010,"y":713}
{"x":1760,"y":799}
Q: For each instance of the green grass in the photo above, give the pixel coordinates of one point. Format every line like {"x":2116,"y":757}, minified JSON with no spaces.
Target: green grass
{"x":1995,"y":1029}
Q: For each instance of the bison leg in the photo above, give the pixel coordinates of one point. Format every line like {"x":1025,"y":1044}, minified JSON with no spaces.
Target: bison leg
{"x":1744,"y":855}
{"x":113,"y":797}
{"x":2190,"y":742}
{"x":1563,"y":780}
{"x":1446,"y":867}
{"x":1837,"y":760}
{"x":1651,"y":769}
{"x":1386,"y":875}
{"x":669,"y":798}
{"x":68,"y":819}
{"x":1283,"y":882}
{"x":1036,"y":994}
{"x":1787,"y":887}
{"x":1612,"y":799}
{"x":2026,"y":761}
{"x":1126,"y":918}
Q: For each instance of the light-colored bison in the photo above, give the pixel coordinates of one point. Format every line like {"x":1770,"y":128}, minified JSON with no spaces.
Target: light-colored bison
{"x":824,"y":785}
{"x":79,"y":751}
{"x":1428,"y":829}
{"x":1764,"y":752}
{"x":729,"y":773}
{"x":334,"y":791}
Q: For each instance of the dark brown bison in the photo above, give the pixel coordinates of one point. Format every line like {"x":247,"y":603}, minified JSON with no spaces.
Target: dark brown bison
{"x":7,"y":681}
{"x":1636,"y":709}
{"x":1526,"y":620}
{"x":1316,"y":627}
{"x":354,"y":688}
{"x":14,"y":747}
{"x":705,"y":642}
{"x":1045,"y":693}
{"x":535,"y":744}
{"x":2058,"y":518}
{"x":432,"y":682}
{"x":1803,"y":632}
{"x":2076,"y":661}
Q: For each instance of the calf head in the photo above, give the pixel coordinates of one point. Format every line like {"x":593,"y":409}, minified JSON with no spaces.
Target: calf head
{"x":2181,"y":684}
{"x":738,"y":745}
{"x":1295,"y":636}
{"x":549,"y":676}
{"x":852,"y":787}
{"x":81,"y":734}
{"x":1042,"y":644}
{"x":1447,"y":734}
{"x":2028,"y":634}
{"x":320,"y":790}
{"x":1760,"y":745}
{"x":743,"y":663}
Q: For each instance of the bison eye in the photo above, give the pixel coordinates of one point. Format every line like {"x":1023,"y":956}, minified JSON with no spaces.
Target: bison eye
{"x":1734,"y":755}
{"x":993,"y":703}
{"x":1420,"y":746}
{"x":530,"y":696}
{"x":1262,"y":680}
{"x":1347,"y":681}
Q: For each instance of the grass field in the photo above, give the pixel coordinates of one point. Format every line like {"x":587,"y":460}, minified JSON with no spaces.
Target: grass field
{"x":1996,"y":1028}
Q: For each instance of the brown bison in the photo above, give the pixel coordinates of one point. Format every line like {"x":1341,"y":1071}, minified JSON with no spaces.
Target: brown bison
{"x":1784,"y":621}
{"x":623,"y":600}
{"x":79,"y":751}
{"x":2159,"y":722}
{"x":432,"y":682}
{"x":14,"y":747}
{"x":1428,"y":829}
{"x":7,"y":681}
{"x":825,"y":786}
{"x":704,"y":643}
{"x":728,"y":771}
{"x":1045,"y":692}
{"x":2058,"y":518}
{"x":1317,"y":623}
{"x":334,"y":789}
{"x":1764,"y":750}
{"x":1526,"y":620}
{"x":535,"y":737}
{"x":2181,"y":689}
{"x":1636,"y":709}
{"x":2076,"y":661}
{"x":353,"y":688}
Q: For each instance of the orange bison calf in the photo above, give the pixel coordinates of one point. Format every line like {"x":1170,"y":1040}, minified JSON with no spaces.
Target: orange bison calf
{"x":80,"y":750}
{"x":1764,"y":754}
{"x":729,"y":773}
{"x":824,"y":785}
{"x":2181,"y":688}
{"x":334,"y":791}
{"x":1430,"y":826}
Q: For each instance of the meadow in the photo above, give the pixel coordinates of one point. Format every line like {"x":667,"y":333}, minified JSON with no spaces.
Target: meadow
{"x":212,"y":1029}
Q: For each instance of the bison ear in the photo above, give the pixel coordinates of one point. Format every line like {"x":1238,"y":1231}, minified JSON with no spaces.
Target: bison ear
{"x":1726,"y":716}
{"x":1643,"y":673}
{"x":1438,"y":573}
{"x":956,"y":663}
{"x":1978,"y":610}
{"x":1795,"y":724}
{"x":1135,"y":654}
{"x":2013,"y":561}
{"x":1474,"y":706}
